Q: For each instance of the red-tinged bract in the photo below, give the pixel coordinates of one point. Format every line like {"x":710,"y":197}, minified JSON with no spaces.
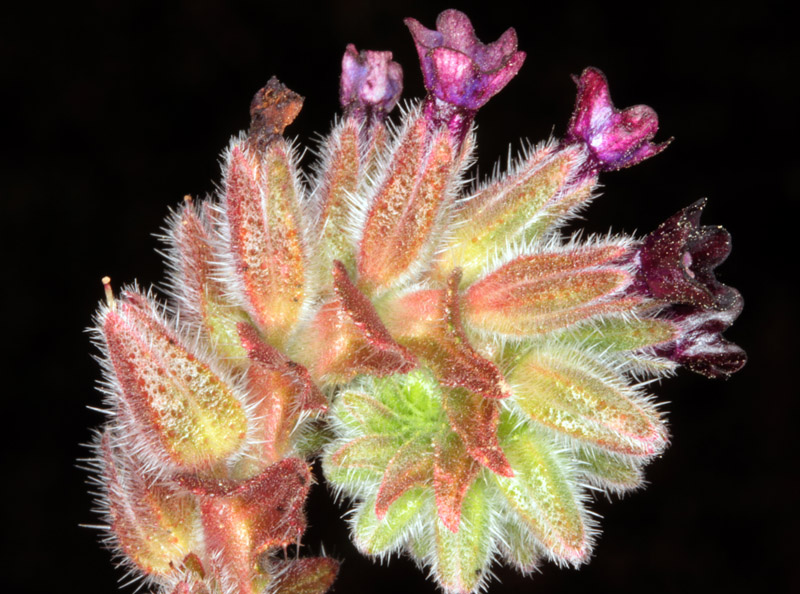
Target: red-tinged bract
{"x":241,"y":521}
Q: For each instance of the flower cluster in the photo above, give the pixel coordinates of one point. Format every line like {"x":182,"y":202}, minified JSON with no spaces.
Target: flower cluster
{"x":464,"y":370}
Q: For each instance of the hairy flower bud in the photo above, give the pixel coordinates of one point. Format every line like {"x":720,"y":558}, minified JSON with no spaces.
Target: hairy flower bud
{"x":184,"y":415}
{"x":243,"y":520}
{"x":151,"y":522}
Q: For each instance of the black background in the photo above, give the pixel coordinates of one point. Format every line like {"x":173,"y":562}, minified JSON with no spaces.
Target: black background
{"x":114,"y":111}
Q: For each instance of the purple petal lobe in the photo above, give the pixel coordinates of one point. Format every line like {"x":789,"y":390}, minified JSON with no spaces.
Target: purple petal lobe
{"x":371,"y":82}
{"x":701,"y":346}
{"x":460,"y":70}
{"x":615,"y":138}
{"x":678,"y":259}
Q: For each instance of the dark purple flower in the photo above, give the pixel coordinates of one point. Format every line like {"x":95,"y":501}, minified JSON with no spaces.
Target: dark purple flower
{"x":460,"y":70}
{"x":678,"y":259}
{"x":371,"y":82}
{"x":676,"y":265}
{"x":700,"y":345}
{"x":616,"y":138}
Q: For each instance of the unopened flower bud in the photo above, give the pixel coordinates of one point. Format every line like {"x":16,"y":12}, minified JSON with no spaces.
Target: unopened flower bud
{"x":150,"y":521}
{"x":184,"y":415}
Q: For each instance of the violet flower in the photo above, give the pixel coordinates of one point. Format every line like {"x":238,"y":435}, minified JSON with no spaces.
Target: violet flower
{"x":461,"y":74}
{"x":700,"y":345}
{"x":676,"y":264}
{"x":678,"y":261}
{"x":371,"y":83}
{"x":615,"y":138}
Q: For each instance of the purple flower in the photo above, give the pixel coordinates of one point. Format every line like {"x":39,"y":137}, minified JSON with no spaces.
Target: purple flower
{"x":678,"y":259}
{"x":700,"y":345}
{"x":460,"y":70}
{"x":371,"y":82}
{"x":616,"y":138}
{"x":676,"y":265}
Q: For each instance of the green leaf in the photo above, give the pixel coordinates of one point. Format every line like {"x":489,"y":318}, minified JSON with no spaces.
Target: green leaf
{"x":609,"y":471}
{"x":518,"y":546}
{"x":415,"y":398}
{"x":619,"y":334}
{"x":542,"y":494}
{"x":366,"y":414}
{"x":412,"y":465}
{"x":381,"y":537}
{"x":463,"y":557}
{"x":370,"y":451}
{"x":571,"y":393}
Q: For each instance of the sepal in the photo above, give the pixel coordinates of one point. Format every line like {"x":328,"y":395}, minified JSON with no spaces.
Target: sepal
{"x":549,"y":291}
{"x":338,"y":182}
{"x":428,"y":322}
{"x":475,"y":419}
{"x":283,"y":392}
{"x":406,"y":212}
{"x":194,"y":282}
{"x":151,"y":521}
{"x":242,"y":520}
{"x":454,"y":471}
{"x":346,"y":338}
{"x":264,"y":235}
{"x":187,"y":417}
{"x":538,"y":194}
{"x":570,"y":393}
